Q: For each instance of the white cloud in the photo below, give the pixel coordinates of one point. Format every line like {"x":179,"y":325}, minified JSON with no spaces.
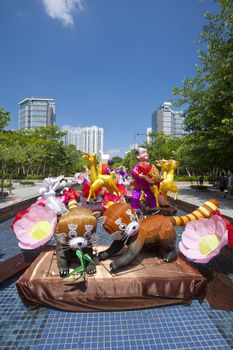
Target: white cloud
{"x":114,"y":152}
{"x":63,"y":10}
{"x":132,"y":146}
{"x":70,"y":127}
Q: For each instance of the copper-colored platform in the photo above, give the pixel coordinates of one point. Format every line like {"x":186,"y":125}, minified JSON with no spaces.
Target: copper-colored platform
{"x":147,"y":282}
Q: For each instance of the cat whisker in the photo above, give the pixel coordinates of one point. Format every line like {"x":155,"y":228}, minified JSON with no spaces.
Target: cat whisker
{"x":65,"y":249}
{"x":123,"y":237}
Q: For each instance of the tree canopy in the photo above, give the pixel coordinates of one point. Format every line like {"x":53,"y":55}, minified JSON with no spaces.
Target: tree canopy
{"x":4,"y":119}
{"x":209,"y":94}
{"x":39,"y":153}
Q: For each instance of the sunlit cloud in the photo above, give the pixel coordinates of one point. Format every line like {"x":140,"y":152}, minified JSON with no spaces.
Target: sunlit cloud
{"x":113,"y":152}
{"x":133,"y":146}
{"x":63,"y":10}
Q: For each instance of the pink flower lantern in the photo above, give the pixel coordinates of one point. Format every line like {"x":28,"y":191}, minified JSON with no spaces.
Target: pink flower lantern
{"x":36,"y":227}
{"x":203,"y":239}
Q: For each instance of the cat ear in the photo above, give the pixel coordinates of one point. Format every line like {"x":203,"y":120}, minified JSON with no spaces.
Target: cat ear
{"x":102,"y":220}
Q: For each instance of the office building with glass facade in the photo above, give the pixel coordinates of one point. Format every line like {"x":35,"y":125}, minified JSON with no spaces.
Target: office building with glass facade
{"x":35,"y":112}
{"x":167,"y":121}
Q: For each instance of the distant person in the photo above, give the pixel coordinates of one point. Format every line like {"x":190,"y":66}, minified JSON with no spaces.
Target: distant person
{"x":106,"y":168}
{"x":230,"y":185}
{"x":222,"y":183}
{"x":122,"y":174}
{"x":201,"y":180}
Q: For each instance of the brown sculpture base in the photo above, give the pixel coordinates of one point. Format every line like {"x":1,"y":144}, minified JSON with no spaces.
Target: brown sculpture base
{"x":147,"y":282}
{"x":168,"y":211}
{"x":92,"y":205}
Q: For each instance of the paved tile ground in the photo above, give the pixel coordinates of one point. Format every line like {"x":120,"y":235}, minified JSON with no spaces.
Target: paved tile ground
{"x":186,"y":194}
{"x":20,"y":193}
{"x":197,"y":197}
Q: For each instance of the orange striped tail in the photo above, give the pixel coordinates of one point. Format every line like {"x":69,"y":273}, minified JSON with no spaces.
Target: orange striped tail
{"x":204,"y":211}
{"x":72,"y":204}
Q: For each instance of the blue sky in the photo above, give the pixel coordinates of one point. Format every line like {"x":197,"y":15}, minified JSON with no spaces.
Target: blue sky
{"x":109,"y":63}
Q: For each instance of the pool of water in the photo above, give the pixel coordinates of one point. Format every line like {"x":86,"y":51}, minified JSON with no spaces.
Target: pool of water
{"x":172,"y":327}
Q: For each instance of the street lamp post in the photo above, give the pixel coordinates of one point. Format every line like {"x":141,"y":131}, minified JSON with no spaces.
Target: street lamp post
{"x":135,"y":135}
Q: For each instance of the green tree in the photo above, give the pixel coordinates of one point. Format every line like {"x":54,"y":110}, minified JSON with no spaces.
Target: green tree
{"x":117,"y":160}
{"x":163,"y":147}
{"x":4,"y":118}
{"x":129,"y":159}
{"x":209,"y":95}
{"x":52,"y":132}
{"x":10,"y":155}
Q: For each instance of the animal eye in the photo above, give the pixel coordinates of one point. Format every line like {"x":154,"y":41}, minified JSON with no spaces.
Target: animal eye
{"x":87,"y":235}
{"x":122,"y":227}
{"x":72,"y":234}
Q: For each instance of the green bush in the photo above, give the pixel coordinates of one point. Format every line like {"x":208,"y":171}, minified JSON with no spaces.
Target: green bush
{"x":27,"y":183}
{"x":7,"y":185}
{"x":201,"y":188}
{"x":211,"y":178}
{"x":195,"y":178}
{"x":35,"y":177}
{"x":186,"y":178}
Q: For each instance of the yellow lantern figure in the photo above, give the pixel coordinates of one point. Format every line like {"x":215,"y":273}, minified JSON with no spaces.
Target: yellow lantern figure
{"x":99,"y":180}
{"x":167,"y":185}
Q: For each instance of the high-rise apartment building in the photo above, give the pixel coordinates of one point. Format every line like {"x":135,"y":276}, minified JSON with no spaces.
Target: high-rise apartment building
{"x":88,"y":139}
{"x":167,"y":121}
{"x":35,"y":112}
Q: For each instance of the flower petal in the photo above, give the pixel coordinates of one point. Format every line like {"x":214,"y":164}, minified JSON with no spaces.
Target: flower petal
{"x":210,"y":236}
{"x":190,"y":253}
{"x":195,"y":254}
{"x":190,"y":242}
{"x":220,"y":229}
{"x":201,"y":227}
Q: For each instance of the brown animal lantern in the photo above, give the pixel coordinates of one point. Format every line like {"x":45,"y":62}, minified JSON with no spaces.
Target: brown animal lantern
{"x":156,"y":232}
{"x":75,"y":230}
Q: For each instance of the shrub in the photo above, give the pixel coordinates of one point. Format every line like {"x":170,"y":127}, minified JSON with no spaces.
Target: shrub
{"x":197,"y":187}
{"x":35,"y":177}
{"x":7,"y":185}
{"x":27,"y":183}
{"x":186,"y":178}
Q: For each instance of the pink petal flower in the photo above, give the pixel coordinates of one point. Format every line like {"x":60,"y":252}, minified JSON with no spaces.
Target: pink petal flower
{"x":190,"y":242}
{"x":201,"y":227}
{"x":198,"y":239}
{"x":36,"y":227}
{"x":192,"y":254}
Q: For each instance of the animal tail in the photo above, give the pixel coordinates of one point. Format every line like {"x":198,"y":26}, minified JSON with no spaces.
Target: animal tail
{"x":204,"y":211}
{"x":72,"y":204}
